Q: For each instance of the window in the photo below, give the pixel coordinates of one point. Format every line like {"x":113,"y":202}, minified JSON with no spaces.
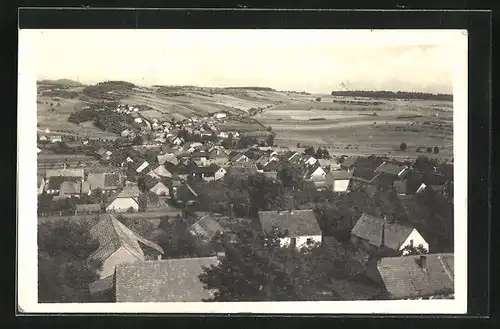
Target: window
{"x":310,"y":241}
{"x":411,"y":243}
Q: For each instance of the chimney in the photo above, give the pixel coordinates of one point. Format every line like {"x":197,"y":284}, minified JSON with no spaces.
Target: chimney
{"x":382,"y":235}
{"x":423,"y":262}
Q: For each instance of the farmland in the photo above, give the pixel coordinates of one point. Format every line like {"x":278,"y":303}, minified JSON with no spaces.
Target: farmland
{"x":350,"y":125}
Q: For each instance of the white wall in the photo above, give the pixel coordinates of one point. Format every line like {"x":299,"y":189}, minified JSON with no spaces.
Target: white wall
{"x":123,"y":204}
{"x":301,"y":241}
{"x":417,"y":240}
{"x":120,"y":256}
{"x":340,"y":185}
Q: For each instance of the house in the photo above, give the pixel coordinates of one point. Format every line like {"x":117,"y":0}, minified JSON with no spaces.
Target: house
{"x":38,"y":150}
{"x":299,"y":226}
{"x":399,"y":171}
{"x":219,"y":115}
{"x":167,"y":157}
{"x":338,"y":181}
{"x":206,"y":228}
{"x":126,"y":200}
{"x":403,"y":187}
{"x":118,"y":245}
{"x":162,"y":171}
{"x":238,"y":157}
{"x":290,"y":155}
{"x":421,"y":276}
{"x":171,"y":280}
{"x":125,"y":133}
{"x":143,"y":165}
{"x":42,"y":138}
{"x":329,"y":164}
{"x":210,"y":173}
{"x":272,"y":166}
{"x":380,"y":235}
{"x":74,"y":188}
{"x":273,"y":175}
{"x":106,"y":182}
{"x":310,"y":161}
{"x":80,"y":173}
{"x":315,"y":173}
{"x":54,"y":183}
{"x":40,"y":184}
{"x":55,"y":139}
{"x":349,"y":163}
{"x":177,"y":141}
{"x":200,"y":157}
{"x":157,"y":186}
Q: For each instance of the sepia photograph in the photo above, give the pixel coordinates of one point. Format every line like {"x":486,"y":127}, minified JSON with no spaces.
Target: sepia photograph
{"x":264,"y":171}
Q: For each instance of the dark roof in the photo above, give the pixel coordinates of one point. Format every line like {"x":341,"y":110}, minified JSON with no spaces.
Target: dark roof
{"x":390,"y":168}
{"x":272,"y":166}
{"x":370,"y":228}
{"x":206,"y":226}
{"x":56,"y":181}
{"x":211,"y":169}
{"x":364,"y":174}
{"x":352,"y":290}
{"x":400,"y":186}
{"x":349,"y":162}
{"x":102,"y":285}
{"x":339,"y":174}
{"x":404,"y":277}
{"x":295,"y":222}
{"x":383,"y":180}
{"x":199,"y":154}
{"x":150,"y":181}
{"x":112,"y":235}
{"x":172,"y":280}
{"x":112,"y":180}
{"x":368,"y":162}
{"x":288,"y":154}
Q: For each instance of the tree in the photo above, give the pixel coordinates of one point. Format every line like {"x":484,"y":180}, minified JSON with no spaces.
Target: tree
{"x":309,"y":151}
{"x":298,"y":145}
{"x":429,"y":149}
{"x":412,"y":250}
{"x":257,"y":268}
{"x":318,"y":99}
{"x":436,"y":150}
{"x":174,"y":237}
{"x":270,"y":140}
{"x":63,"y":270}
{"x":403,"y":146}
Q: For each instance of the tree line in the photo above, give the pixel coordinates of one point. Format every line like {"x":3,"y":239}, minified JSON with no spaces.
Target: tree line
{"x":393,"y":94}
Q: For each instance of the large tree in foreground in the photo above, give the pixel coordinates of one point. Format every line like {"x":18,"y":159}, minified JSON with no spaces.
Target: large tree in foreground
{"x":63,"y":270}
{"x":257,"y":268}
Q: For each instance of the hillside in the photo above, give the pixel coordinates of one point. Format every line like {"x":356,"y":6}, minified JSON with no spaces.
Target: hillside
{"x":61,"y":82}
{"x":353,"y":124}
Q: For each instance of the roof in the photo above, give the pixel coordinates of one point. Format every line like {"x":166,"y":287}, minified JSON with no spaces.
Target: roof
{"x":352,"y":290}
{"x":364,"y":174}
{"x":129,"y":192}
{"x":211,"y":169}
{"x":70,"y":187}
{"x":56,"y":181}
{"x":339,"y":175}
{"x":112,"y":235}
{"x":206,"y":226}
{"x":295,"y":222}
{"x":170,"y":157}
{"x":65,"y":172}
{"x":172,"y":280}
{"x":96,"y":180}
{"x":390,"y":168}
{"x":112,"y":180}
{"x":162,"y":171}
{"x":349,"y":162}
{"x":400,"y":186}
{"x":370,"y":228}
{"x":101,"y":285}
{"x":404,"y":277}
{"x":151,"y":181}
{"x":311,"y":169}
{"x":272,"y":166}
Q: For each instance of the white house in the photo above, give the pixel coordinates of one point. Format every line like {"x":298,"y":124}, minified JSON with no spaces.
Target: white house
{"x":310,"y":161}
{"x":300,"y":226}
{"x":127,"y":199}
{"x":219,"y":115}
{"x":315,"y":174}
{"x":374,"y":232}
{"x":118,"y":245}
{"x":143,"y":166}
{"x":338,"y":181}
{"x":138,"y":120}
{"x":55,"y":139}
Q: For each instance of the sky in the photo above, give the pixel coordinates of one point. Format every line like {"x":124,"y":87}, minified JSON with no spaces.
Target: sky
{"x":316,"y":61}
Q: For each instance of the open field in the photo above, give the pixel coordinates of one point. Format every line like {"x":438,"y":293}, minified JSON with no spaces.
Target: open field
{"x":348,"y":124}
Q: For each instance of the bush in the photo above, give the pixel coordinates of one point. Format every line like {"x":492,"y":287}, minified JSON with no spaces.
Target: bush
{"x":403,"y":146}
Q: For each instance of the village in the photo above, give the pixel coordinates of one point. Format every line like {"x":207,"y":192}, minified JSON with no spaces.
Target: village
{"x":385,"y":225}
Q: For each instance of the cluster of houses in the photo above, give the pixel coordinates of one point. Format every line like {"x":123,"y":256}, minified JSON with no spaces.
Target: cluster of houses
{"x":133,"y":269}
